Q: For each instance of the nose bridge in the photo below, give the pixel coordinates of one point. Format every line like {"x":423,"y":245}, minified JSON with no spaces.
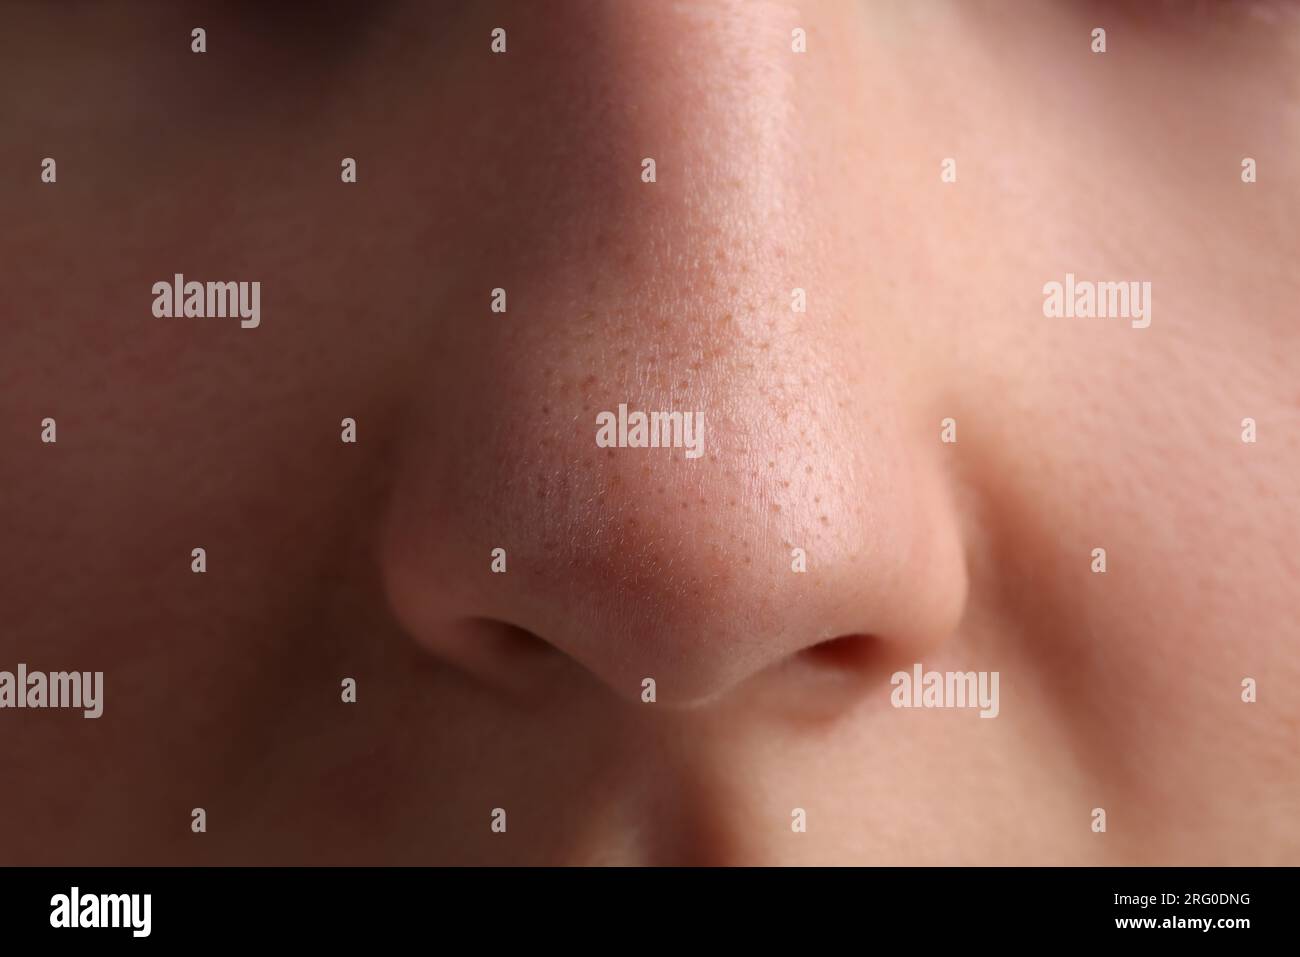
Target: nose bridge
{"x":705,"y":93}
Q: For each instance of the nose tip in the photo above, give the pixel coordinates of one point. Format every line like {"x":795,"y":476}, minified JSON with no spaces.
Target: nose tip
{"x":641,"y":563}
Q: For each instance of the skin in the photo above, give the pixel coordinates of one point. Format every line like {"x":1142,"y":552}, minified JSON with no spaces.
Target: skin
{"x":822,"y":431}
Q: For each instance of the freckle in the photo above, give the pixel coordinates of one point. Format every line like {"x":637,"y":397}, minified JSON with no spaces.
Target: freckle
{"x":610,"y":452}
{"x":683,"y":384}
{"x":807,"y":470}
{"x":589,"y":381}
{"x":776,"y":507}
{"x":748,"y":560}
{"x":703,"y":500}
{"x":732,"y":503}
{"x":728,"y":318}
{"x":615,"y":481}
{"x":546,"y":410}
{"x":785,"y":483}
{"x":645,"y":470}
{"x":732,"y":290}
{"x":825,"y":520}
{"x":659,"y":490}
{"x":685,"y":504}
{"x":630,"y":523}
{"x":817,"y":499}
{"x":771,"y":465}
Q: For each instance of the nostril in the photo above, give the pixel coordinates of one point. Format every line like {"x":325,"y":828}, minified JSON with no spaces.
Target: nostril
{"x":825,"y":681}
{"x":498,"y":654}
{"x":512,"y":659}
{"x":847,"y":652}
{"x":506,"y":643}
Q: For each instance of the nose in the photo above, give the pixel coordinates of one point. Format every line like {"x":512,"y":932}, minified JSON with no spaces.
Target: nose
{"x":786,"y":489}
